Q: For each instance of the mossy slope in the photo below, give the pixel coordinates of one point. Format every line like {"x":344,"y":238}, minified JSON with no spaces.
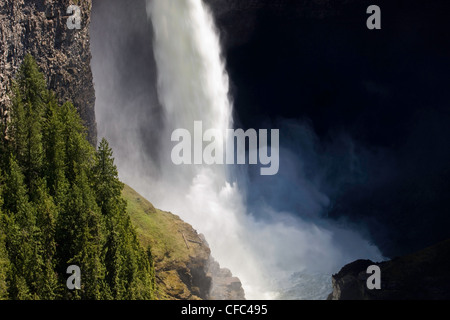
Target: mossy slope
{"x":180,"y":254}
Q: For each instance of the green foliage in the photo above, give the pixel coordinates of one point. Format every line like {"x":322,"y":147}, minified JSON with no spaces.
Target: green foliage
{"x":4,"y":264}
{"x":54,"y":164}
{"x":22,"y":237}
{"x":129,"y":272}
{"x":61,"y":205}
{"x":83,"y":235}
{"x":4,"y":261}
{"x":29,"y":103}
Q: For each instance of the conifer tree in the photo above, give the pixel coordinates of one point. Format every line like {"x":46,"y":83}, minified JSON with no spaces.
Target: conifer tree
{"x":61,"y":205}
{"x":128,"y":269}
{"x":29,"y":102}
{"x":22,"y":237}
{"x":108,"y":196}
{"x":4,"y":261}
{"x":46,"y":215}
{"x":55,"y":153}
{"x":82,"y":236}
{"x":78,"y":150}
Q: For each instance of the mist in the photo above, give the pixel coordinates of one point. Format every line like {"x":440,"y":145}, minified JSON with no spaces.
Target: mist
{"x":158,"y":66}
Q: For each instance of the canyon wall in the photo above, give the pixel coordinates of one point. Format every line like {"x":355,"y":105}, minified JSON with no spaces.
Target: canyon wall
{"x":39,"y":27}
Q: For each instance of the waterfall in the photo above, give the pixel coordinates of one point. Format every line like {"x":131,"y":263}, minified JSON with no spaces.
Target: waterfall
{"x":285,"y":257}
{"x":193,"y":86}
{"x":275,"y":254}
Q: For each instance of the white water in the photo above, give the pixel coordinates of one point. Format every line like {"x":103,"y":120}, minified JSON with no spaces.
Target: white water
{"x":193,"y":86}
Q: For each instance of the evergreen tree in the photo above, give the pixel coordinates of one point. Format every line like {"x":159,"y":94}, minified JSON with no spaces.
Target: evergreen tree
{"x":47,"y":213}
{"x":29,"y":102}
{"x":55,"y":153}
{"x":78,"y":150}
{"x":108,"y":187}
{"x":82,"y":237}
{"x":128,"y":270}
{"x":4,"y":261}
{"x":32,"y":84}
{"x":62,"y":205}
{"x":108,"y":196}
{"x":22,"y":237}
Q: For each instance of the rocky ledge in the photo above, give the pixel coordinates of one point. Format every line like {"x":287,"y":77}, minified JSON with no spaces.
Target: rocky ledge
{"x":184,"y":267}
{"x":424,"y":275}
{"x":224,"y":285}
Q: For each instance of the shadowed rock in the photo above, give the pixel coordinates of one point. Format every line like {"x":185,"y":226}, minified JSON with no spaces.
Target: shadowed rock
{"x":424,"y":275}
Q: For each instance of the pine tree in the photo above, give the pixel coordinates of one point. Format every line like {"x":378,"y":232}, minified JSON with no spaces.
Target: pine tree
{"x":22,"y":237}
{"x":80,"y":227}
{"x":125,"y":260}
{"x":108,"y":196}
{"x":16,"y":128}
{"x":29,"y":103}
{"x":4,"y":261}
{"x":47,"y":213}
{"x":55,"y":155}
{"x":78,"y":150}
{"x":32,"y":83}
{"x":81,"y":237}
{"x":62,"y":205}
{"x":108,"y":187}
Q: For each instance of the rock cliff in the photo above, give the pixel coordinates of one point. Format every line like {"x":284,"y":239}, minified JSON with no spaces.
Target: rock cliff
{"x":39,"y":27}
{"x":185,"y":269}
{"x":424,"y":275}
{"x":224,"y":286}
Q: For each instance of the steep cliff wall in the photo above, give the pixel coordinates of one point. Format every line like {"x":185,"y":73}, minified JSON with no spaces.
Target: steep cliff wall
{"x":39,"y":27}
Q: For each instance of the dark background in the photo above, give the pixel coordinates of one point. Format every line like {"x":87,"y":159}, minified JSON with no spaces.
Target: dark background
{"x":364,"y":114}
{"x":386,"y":91}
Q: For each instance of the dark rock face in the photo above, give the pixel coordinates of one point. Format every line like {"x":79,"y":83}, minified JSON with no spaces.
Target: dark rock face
{"x":40,"y":28}
{"x":424,"y":275}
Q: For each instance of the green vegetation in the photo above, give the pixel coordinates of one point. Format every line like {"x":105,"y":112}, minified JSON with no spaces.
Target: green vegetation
{"x":163,"y":232}
{"x":61,"y":204}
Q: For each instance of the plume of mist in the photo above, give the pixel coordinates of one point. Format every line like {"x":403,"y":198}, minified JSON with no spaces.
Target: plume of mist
{"x":263,"y":229}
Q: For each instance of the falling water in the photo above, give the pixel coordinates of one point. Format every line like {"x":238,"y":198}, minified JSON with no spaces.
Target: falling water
{"x":193,"y":86}
{"x":282,"y":256}
{"x":286,"y":257}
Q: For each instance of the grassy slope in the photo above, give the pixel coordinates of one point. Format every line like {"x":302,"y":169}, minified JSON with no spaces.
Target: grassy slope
{"x":163,"y":232}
